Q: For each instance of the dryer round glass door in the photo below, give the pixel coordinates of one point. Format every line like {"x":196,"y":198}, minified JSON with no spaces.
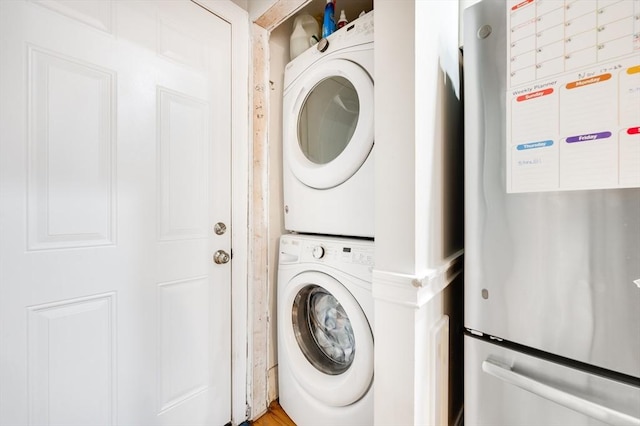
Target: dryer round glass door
{"x":328,"y":119}
{"x":328,"y":123}
{"x":327,"y":338}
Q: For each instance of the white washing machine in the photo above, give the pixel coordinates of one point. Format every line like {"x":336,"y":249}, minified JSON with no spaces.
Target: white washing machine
{"x":325,"y":334}
{"x":328,"y":135}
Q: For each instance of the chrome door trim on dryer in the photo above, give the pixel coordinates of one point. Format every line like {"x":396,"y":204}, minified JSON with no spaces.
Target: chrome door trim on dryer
{"x":357,"y":149}
{"x":332,"y":389}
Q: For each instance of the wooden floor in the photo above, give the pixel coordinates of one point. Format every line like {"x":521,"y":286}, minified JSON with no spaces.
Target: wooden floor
{"x":275,"y":416}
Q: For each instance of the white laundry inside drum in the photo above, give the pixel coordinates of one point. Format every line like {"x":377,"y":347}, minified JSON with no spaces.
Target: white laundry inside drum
{"x":331,"y":328}
{"x":323,"y":330}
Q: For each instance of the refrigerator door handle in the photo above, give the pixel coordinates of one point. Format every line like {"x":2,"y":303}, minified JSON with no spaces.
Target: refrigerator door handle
{"x":581,"y":405}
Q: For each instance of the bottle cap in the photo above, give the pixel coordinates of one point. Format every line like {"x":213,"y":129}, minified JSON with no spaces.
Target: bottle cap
{"x":343,"y":19}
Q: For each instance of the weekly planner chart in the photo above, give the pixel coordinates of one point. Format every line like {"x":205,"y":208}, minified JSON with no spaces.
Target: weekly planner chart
{"x":573,"y":95}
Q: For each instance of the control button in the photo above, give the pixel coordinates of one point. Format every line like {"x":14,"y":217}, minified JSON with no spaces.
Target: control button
{"x":318,"y":252}
{"x":322,"y":45}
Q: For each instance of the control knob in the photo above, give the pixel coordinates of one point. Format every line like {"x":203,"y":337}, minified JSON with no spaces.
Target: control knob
{"x":322,"y":45}
{"x":318,"y":252}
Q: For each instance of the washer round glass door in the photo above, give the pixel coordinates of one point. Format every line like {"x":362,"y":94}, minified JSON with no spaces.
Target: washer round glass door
{"x":323,"y":330}
{"x":327,"y":338}
{"x":328,"y":123}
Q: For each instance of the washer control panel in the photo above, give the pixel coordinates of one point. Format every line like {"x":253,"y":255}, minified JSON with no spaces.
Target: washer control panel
{"x":327,"y":250}
{"x":355,"y":254}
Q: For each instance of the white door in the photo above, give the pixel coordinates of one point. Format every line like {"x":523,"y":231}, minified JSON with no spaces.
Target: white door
{"x":114,"y":168}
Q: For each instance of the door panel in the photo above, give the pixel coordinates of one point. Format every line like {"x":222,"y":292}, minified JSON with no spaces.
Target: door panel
{"x":71,"y":203}
{"x":71,"y":357}
{"x":114,"y":126}
{"x":574,"y":255}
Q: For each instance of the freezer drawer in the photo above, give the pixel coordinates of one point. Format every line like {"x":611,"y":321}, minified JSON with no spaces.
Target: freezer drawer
{"x":504,"y":387}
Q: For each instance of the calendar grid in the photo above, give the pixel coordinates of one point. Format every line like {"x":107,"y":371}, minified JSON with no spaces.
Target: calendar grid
{"x":572,"y":95}
{"x":549,"y":37}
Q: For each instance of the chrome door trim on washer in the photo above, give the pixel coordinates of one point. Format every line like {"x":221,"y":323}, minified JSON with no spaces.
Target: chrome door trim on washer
{"x":347,"y":163}
{"x":336,"y":390}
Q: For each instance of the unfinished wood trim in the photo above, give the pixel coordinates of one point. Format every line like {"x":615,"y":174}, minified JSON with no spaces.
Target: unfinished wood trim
{"x":280,"y":12}
{"x":259,"y":212}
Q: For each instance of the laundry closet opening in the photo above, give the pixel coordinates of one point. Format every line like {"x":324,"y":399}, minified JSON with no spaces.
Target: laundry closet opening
{"x":271,"y":53}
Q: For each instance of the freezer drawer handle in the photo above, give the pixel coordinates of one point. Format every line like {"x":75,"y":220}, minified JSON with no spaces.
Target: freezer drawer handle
{"x":586,"y":407}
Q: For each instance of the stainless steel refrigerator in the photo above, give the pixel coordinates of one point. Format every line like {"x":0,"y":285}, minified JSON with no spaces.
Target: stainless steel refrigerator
{"x":552,"y":239}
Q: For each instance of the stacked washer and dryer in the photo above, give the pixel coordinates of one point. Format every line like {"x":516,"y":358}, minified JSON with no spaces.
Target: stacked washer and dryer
{"x":325,"y":306}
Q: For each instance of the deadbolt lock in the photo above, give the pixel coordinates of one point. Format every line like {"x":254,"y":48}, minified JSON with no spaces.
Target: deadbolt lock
{"x":220,"y":228}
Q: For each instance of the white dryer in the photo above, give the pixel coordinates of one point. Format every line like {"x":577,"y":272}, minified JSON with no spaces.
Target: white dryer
{"x":328,"y":135}
{"x":325,"y":335}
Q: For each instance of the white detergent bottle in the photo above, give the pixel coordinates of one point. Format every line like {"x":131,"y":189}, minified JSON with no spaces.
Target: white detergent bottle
{"x":306,"y":33}
{"x":299,"y":41}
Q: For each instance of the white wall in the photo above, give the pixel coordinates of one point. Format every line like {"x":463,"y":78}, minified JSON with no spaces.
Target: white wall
{"x":417,"y":122}
{"x":408,"y":73}
{"x":257,"y":8}
{"x":242,"y":3}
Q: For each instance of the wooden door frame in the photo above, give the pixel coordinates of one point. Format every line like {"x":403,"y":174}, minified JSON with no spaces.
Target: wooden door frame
{"x":240,"y":173}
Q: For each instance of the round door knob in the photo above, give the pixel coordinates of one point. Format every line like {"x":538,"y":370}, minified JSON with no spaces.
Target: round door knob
{"x":220,"y":257}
